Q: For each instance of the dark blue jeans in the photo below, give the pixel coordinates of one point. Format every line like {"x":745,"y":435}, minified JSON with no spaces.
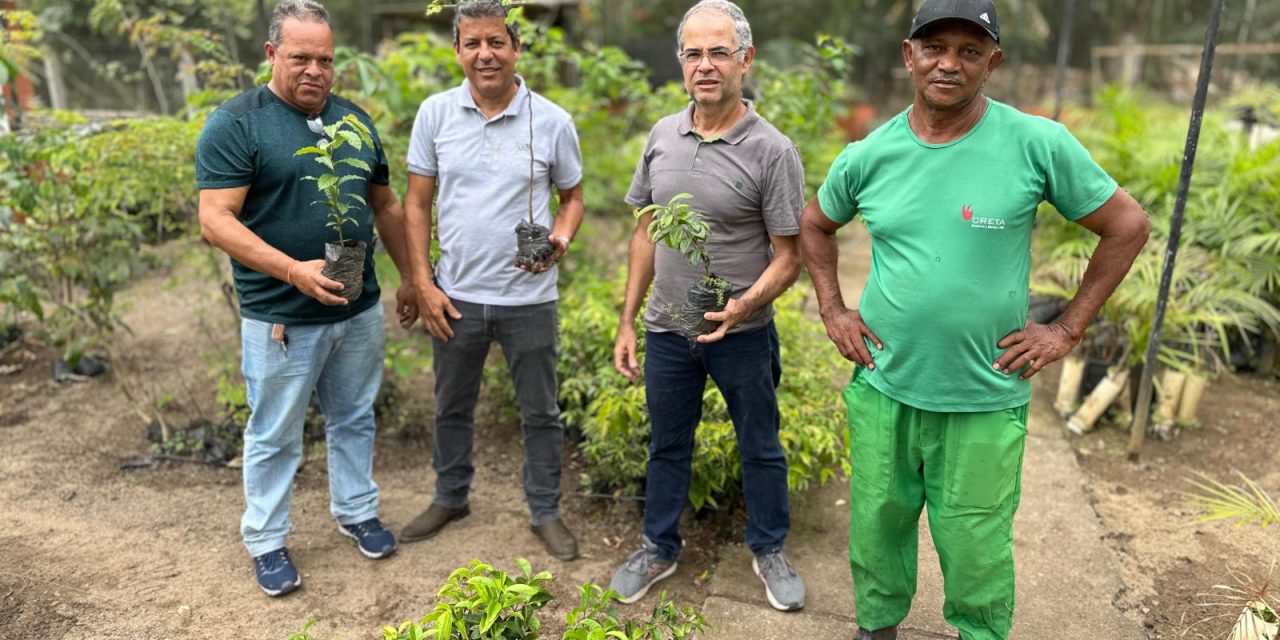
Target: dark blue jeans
{"x":746,"y":367}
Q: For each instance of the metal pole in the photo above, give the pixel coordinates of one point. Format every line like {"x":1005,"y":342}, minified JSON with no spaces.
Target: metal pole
{"x":1143,"y":410}
{"x":1064,"y":55}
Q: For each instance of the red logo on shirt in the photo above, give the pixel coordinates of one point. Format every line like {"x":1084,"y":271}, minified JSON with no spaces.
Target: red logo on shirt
{"x":967,"y":212}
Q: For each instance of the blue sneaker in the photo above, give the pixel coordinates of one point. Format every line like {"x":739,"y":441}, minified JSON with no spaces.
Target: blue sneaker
{"x":276,"y":573}
{"x":371,"y":537}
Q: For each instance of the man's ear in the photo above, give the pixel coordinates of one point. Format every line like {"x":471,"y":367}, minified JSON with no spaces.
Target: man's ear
{"x":996,"y":57}
{"x":270,"y":51}
{"x":906,"y":54}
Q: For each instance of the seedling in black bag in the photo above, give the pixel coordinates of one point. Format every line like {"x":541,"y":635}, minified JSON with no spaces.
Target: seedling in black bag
{"x":344,"y":259}
{"x":679,"y":227}
{"x":534,"y":250}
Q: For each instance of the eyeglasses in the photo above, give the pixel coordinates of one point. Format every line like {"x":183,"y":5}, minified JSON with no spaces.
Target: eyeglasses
{"x":719,"y":55}
{"x":316,"y":125}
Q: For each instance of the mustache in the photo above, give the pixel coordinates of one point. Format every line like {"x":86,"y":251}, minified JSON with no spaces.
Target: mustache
{"x":947,"y":77}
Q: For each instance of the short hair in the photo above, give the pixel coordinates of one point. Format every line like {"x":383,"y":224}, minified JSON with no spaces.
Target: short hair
{"x":741,"y":28}
{"x":305,"y":10}
{"x":473,"y":9}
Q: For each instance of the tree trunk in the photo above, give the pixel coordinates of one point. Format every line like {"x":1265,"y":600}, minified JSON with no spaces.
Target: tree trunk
{"x":53,"y":79}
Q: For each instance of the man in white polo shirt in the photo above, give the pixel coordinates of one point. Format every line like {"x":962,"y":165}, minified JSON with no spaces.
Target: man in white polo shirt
{"x":471,"y":145}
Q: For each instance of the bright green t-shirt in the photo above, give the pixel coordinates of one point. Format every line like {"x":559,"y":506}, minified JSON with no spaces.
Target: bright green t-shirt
{"x":950,"y":229}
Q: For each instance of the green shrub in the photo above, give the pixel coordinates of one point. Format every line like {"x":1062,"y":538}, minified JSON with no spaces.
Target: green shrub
{"x":479,"y":603}
{"x":1227,"y":277}
{"x":64,"y":256}
{"x":596,"y":619}
{"x":145,"y":169}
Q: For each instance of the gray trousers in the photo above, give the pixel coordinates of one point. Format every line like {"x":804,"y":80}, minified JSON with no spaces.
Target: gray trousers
{"x":527,"y":335}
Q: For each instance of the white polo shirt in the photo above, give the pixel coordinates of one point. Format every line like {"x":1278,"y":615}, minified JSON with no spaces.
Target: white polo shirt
{"x":481,"y":166}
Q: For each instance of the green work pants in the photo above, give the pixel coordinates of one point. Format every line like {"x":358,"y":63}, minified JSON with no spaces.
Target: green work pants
{"x":967,"y":467}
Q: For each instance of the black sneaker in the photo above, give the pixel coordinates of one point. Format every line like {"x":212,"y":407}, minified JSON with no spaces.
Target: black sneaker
{"x":373,"y":540}
{"x":276,"y":573}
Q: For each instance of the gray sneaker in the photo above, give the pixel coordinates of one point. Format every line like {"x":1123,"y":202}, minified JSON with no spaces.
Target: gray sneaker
{"x":782,"y":586}
{"x":642,"y":568}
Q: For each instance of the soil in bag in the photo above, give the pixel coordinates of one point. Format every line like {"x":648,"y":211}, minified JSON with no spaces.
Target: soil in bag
{"x":344,"y":262}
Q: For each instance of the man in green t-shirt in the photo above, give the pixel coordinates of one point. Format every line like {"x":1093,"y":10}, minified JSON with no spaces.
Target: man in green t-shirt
{"x":937,"y":406}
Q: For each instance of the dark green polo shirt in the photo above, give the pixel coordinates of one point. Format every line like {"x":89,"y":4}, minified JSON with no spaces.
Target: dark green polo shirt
{"x":250,"y":140}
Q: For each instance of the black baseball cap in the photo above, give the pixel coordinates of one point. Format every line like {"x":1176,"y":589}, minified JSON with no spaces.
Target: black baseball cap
{"x":979,"y":12}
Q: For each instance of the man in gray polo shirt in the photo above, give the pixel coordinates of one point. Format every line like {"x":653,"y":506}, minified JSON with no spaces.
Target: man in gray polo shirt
{"x":747,"y":180}
{"x":472,"y":145}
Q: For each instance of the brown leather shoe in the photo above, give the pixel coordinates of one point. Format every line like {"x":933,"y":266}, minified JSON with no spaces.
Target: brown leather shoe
{"x":431,"y":521}
{"x":557,"y":539}
{"x":887,"y":633}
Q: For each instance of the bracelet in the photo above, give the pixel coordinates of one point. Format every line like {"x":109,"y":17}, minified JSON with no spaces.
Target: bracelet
{"x":288,"y":275}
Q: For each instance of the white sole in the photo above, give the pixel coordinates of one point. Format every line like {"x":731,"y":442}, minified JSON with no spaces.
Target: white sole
{"x":773,"y":602}
{"x":640,"y":594}
{"x":280,"y":592}
{"x":371,"y":556}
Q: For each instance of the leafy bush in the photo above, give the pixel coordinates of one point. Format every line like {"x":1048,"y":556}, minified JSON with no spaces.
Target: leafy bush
{"x":480,"y":602}
{"x":145,"y":169}
{"x":1227,"y":278}
{"x":64,"y":256}
{"x":597,"y":619}
{"x":611,"y":413}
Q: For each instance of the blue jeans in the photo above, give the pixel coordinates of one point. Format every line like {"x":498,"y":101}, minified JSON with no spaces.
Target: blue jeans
{"x":527,"y":335}
{"x":746,"y":367}
{"x":342,"y":363}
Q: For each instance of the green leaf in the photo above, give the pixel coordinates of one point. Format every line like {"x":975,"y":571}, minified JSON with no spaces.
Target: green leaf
{"x":351,"y":138}
{"x":357,"y":163}
{"x":326,"y":182}
{"x":309,"y":150}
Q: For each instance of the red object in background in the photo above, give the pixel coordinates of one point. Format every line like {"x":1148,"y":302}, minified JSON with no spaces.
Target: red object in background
{"x":26,"y":90}
{"x":858,"y":121}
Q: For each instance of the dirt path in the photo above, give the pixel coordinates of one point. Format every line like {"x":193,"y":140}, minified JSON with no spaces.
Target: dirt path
{"x":89,"y":549}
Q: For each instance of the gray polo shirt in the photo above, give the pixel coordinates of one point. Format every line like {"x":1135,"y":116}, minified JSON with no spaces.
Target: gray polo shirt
{"x":482,"y":170}
{"x":749,"y":183}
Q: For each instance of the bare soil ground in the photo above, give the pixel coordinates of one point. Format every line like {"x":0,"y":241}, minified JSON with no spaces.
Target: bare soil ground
{"x":89,"y":549}
{"x":1169,"y":562}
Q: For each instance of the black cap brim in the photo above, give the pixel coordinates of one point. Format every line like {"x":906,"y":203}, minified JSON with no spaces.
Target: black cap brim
{"x":937,"y":21}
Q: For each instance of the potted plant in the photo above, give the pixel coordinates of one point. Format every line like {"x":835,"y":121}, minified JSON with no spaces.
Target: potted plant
{"x":344,"y":259}
{"x":679,"y":227}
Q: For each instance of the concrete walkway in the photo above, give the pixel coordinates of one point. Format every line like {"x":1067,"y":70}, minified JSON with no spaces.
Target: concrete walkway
{"x":1066,"y":576}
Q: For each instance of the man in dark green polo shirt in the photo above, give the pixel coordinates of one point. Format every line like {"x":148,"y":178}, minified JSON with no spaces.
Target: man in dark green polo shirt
{"x":298,"y":336}
{"x":937,"y":407}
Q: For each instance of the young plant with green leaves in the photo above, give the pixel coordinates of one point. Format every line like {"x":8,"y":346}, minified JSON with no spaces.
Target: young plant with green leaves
{"x":1220,"y":501}
{"x":347,"y":131}
{"x":480,"y":602}
{"x":677,"y":226}
{"x":597,"y":619}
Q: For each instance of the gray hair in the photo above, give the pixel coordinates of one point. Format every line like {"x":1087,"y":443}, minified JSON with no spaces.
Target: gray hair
{"x":741,"y":28}
{"x":473,"y":9}
{"x":304,"y":10}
